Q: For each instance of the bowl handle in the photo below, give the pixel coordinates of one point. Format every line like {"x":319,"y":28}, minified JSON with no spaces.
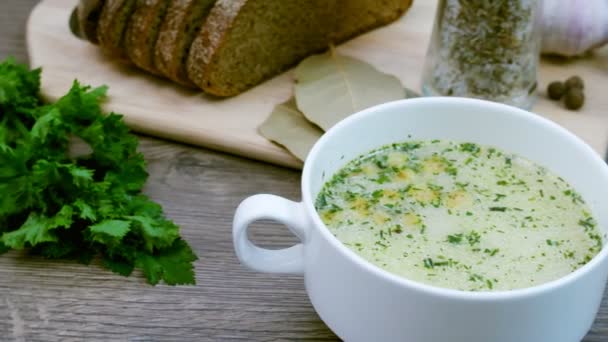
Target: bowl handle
{"x":291,"y":214}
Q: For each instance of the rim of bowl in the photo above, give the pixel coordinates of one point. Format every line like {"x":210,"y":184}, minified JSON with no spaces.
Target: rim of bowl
{"x":519,"y":293}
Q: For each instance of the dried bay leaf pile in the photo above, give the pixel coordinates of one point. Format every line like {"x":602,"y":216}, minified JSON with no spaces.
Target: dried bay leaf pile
{"x":288,"y":127}
{"x":329,"y":87}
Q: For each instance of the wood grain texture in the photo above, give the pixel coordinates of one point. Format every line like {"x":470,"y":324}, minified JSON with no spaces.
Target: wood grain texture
{"x":49,"y":301}
{"x":159,"y":108}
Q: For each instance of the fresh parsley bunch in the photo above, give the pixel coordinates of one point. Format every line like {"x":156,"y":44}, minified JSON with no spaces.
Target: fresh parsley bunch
{"x":64,"y":206}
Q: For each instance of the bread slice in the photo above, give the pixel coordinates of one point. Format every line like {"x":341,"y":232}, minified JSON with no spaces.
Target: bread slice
{"x":182,"y":23}
{"x":88,"y":18}
{"x":243,"y":42}
{"x":142,"y":32}
{"x":112,"y":25}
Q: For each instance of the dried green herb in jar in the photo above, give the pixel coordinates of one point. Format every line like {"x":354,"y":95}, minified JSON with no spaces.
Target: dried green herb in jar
{"x":485,"y":49}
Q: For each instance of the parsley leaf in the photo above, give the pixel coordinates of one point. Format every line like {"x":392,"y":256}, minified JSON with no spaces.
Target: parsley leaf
{"x":3,"y":248}
{"x":109,"y":231}
{"x":37,"y":229}
{"x":173,"y":265}
{"x":63,"y":206}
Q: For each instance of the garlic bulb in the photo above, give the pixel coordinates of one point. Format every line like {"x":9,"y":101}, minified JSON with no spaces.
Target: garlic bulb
{"x":573,"y":27}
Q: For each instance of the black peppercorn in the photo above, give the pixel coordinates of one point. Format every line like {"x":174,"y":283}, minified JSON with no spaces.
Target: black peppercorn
{"x":574,"y":98}
{"x":575,"y":82}
{"x":556,"y":90}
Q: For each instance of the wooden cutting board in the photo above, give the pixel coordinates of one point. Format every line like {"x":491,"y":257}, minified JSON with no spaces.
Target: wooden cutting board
{"x":156,"y":107}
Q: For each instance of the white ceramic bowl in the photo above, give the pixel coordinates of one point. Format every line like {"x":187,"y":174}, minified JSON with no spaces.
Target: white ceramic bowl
{"x":361,"y":302}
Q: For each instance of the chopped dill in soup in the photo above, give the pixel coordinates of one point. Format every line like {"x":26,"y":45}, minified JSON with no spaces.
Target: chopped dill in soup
{"x":460,"y":216}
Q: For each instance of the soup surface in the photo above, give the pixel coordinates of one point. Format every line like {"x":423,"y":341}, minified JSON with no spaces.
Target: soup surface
{"x":460,"y":216}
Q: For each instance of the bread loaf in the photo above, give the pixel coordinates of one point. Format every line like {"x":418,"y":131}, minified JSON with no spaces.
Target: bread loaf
{"x":244,"y":42}
{"x":181,"y":25}
{"x":142,"y":32}
{"x":228,"y":46}
{"x":113,"y":22}
{"x":88,"y":18}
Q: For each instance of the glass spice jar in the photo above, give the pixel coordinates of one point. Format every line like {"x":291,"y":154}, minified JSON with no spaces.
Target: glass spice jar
{"x":485,"y":49}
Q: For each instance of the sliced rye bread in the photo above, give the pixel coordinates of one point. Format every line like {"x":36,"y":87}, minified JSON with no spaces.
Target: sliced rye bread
{"x":113,"y":23}
{"x":182,"y":24}
{"x":142,"y":32}
{"x":88,"y":18}
{"x":244,"y":42}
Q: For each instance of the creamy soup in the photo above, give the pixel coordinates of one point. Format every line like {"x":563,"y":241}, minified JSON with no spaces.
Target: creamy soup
{"x":459,"y":215}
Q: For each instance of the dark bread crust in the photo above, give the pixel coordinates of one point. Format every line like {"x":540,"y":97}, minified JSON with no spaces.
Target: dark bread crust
{"x":212,"y":36}
{"x":89,"y":12}
{"x":211,"y":50}
{"x":142,"y":32}
{"x":113,"y":23}
{"x":181,"y":25}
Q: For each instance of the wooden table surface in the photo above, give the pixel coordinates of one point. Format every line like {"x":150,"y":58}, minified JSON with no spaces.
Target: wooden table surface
{"x":49,"y":301}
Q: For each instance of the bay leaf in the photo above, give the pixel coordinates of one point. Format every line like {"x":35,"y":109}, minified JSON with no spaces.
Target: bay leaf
{"x":288,"y":127}
{"x":330,"y":87}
